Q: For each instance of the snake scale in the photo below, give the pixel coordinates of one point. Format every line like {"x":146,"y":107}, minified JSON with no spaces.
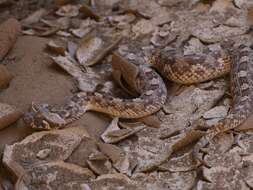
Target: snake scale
{"x":153,"y":93}
{"x":241,"y":79}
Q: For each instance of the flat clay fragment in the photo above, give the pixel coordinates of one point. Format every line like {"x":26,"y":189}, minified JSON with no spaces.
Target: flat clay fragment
{"x":5,"y":77}
{"x":8,"y":115}
{"x":9,"y":31}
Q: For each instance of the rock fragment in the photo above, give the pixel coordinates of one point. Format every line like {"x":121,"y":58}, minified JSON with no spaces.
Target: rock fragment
{"x":68,"y":10}
{"x":143,"y":27}
{"x":8,"y":115}
{"x":22,"y":157}
{"x":115,"y":134}
{"x":94,"y":47}
{"x":56,"y":175}
{"x":216,"y":112}
{"x":113,"y":181}
{"x":9,"y":31}
{"x":5,"y":77}
{"x":34,"y":17}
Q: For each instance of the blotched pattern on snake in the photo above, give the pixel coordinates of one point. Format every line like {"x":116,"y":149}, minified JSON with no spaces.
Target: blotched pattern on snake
{"x":153,"y":93}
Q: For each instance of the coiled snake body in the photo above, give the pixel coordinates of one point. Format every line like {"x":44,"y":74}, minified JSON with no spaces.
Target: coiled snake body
{"x":153,"y":93}
{"x":241,"y":80}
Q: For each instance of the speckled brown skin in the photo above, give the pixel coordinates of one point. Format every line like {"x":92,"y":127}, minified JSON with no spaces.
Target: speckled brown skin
{"x":242,"y":90}
{"x":191,"y":69}
{"x":153,"y":94}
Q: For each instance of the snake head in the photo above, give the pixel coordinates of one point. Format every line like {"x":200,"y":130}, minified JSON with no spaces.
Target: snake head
{"x":40,"y":117}
{"x":159,"y":59}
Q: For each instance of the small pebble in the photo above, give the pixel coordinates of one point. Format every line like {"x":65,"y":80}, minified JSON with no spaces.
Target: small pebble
{"x":42,"y":154}
{"x":85,"y":187}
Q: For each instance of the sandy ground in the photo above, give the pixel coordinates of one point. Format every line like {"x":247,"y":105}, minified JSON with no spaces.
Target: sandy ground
{"x":37,"y":79}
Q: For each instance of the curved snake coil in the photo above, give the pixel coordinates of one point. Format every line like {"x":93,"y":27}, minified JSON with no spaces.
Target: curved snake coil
{"x":153,"y":93}
{"x":241,"y":79}
{"x":239,"y":63}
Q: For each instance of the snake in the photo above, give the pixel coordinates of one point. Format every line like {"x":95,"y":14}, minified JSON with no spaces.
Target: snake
{"x":153,"y":94}
{"x":241,"y":82}
{"x":186,"y":69}
{"x":238,"y":62}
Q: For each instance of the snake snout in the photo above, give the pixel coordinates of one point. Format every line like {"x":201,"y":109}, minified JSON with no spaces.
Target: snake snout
{"x":28,"y":119}
{"x":36,"y":119}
